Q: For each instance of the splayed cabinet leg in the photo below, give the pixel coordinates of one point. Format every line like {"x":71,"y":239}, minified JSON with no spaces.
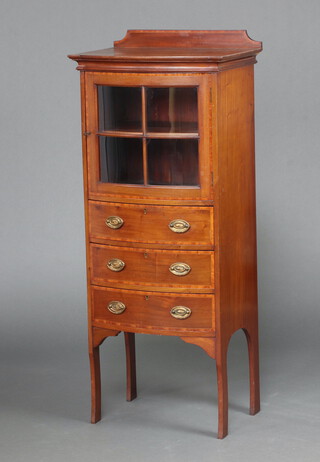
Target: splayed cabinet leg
{"x":222,"y":379}
{"x":96,"y":337}
{"x":131,"y":365}
{"x":253,"y":349}
{"x":94,"y":357}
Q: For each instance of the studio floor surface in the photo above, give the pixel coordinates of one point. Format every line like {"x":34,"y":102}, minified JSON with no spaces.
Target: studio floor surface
{"x":45,"y":406}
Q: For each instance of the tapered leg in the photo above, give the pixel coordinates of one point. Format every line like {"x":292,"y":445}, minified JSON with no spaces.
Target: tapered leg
{"x":253,"y":348}
{"x":94,"y":356}
{"x":222,"y":378}
{"x":131,"y":366}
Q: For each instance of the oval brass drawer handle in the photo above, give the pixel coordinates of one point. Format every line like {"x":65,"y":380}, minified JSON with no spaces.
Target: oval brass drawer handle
{"x":179,"y":226}
{"x":180,"y":312}
{"x":180,"y":269}
{"x":114,"y":222}
{"x":116,"y":307}
{"x":115,"y":264}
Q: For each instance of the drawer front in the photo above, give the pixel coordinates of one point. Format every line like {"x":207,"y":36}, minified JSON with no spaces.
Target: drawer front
{"x":157,"y":269}
{"x":150,"y":310}
{"x":126,"y":224}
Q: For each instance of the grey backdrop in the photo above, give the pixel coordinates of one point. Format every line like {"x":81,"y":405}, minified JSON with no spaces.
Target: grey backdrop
{"x":44,"y":395}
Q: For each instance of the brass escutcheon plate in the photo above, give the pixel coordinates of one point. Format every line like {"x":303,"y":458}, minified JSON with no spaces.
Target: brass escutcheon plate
{"x":114,"y":222}
{"x":116,"y":307}
{"x":180,"y":312}
{"x":180,"y":269}
{"x":115,"y":264}
{"x":179,"y":226}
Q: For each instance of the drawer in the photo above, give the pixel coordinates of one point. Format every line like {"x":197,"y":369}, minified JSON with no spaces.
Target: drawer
{"x":159,"y":226}
{"x":128,"y":309}
{"x":154,"y":269}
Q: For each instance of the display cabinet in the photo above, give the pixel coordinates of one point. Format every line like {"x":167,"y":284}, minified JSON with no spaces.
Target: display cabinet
{"x":168,"y":157}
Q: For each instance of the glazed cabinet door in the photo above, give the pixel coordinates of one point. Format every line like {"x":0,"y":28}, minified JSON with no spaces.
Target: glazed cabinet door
{"x":148,"y":137}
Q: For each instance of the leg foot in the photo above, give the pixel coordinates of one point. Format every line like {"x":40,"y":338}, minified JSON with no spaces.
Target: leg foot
{"x":253,"y":349}
{"x":96,"y":337}
{"x":94,"y":356}
{"x":131,"y":366}
{"x":222,"y":378}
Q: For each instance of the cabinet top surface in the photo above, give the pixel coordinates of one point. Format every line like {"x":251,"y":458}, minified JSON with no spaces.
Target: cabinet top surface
{"x":177,"y":45}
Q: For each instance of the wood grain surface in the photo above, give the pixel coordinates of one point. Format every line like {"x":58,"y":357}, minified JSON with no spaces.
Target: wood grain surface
{"x":149,"y":225}
{"x":149,"y":269}
{"x":236,"y":256}
{"x":151,"y":310}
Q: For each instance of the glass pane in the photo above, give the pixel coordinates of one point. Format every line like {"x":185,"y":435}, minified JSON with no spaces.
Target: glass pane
{"x":121,"y":160}
{"x":173,"y":162}
{"x":119,"y":108}
{"x":172,"y":110}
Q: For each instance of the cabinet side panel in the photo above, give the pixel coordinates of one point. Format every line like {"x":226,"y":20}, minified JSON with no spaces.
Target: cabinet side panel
{"x":236,"y":224}
{"x":85,"y":191}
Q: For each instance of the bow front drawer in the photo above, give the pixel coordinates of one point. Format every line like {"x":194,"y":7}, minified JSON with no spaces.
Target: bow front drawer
{"x":170,"y":270}
{"x":129,"y":309}
{"x":157,"y":226}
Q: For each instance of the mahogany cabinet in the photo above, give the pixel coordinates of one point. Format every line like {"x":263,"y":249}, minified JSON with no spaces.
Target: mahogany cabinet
{"x":169,"y":181}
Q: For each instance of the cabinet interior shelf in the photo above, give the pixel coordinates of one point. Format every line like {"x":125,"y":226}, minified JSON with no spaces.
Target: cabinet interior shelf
{"x":151,"y":135}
